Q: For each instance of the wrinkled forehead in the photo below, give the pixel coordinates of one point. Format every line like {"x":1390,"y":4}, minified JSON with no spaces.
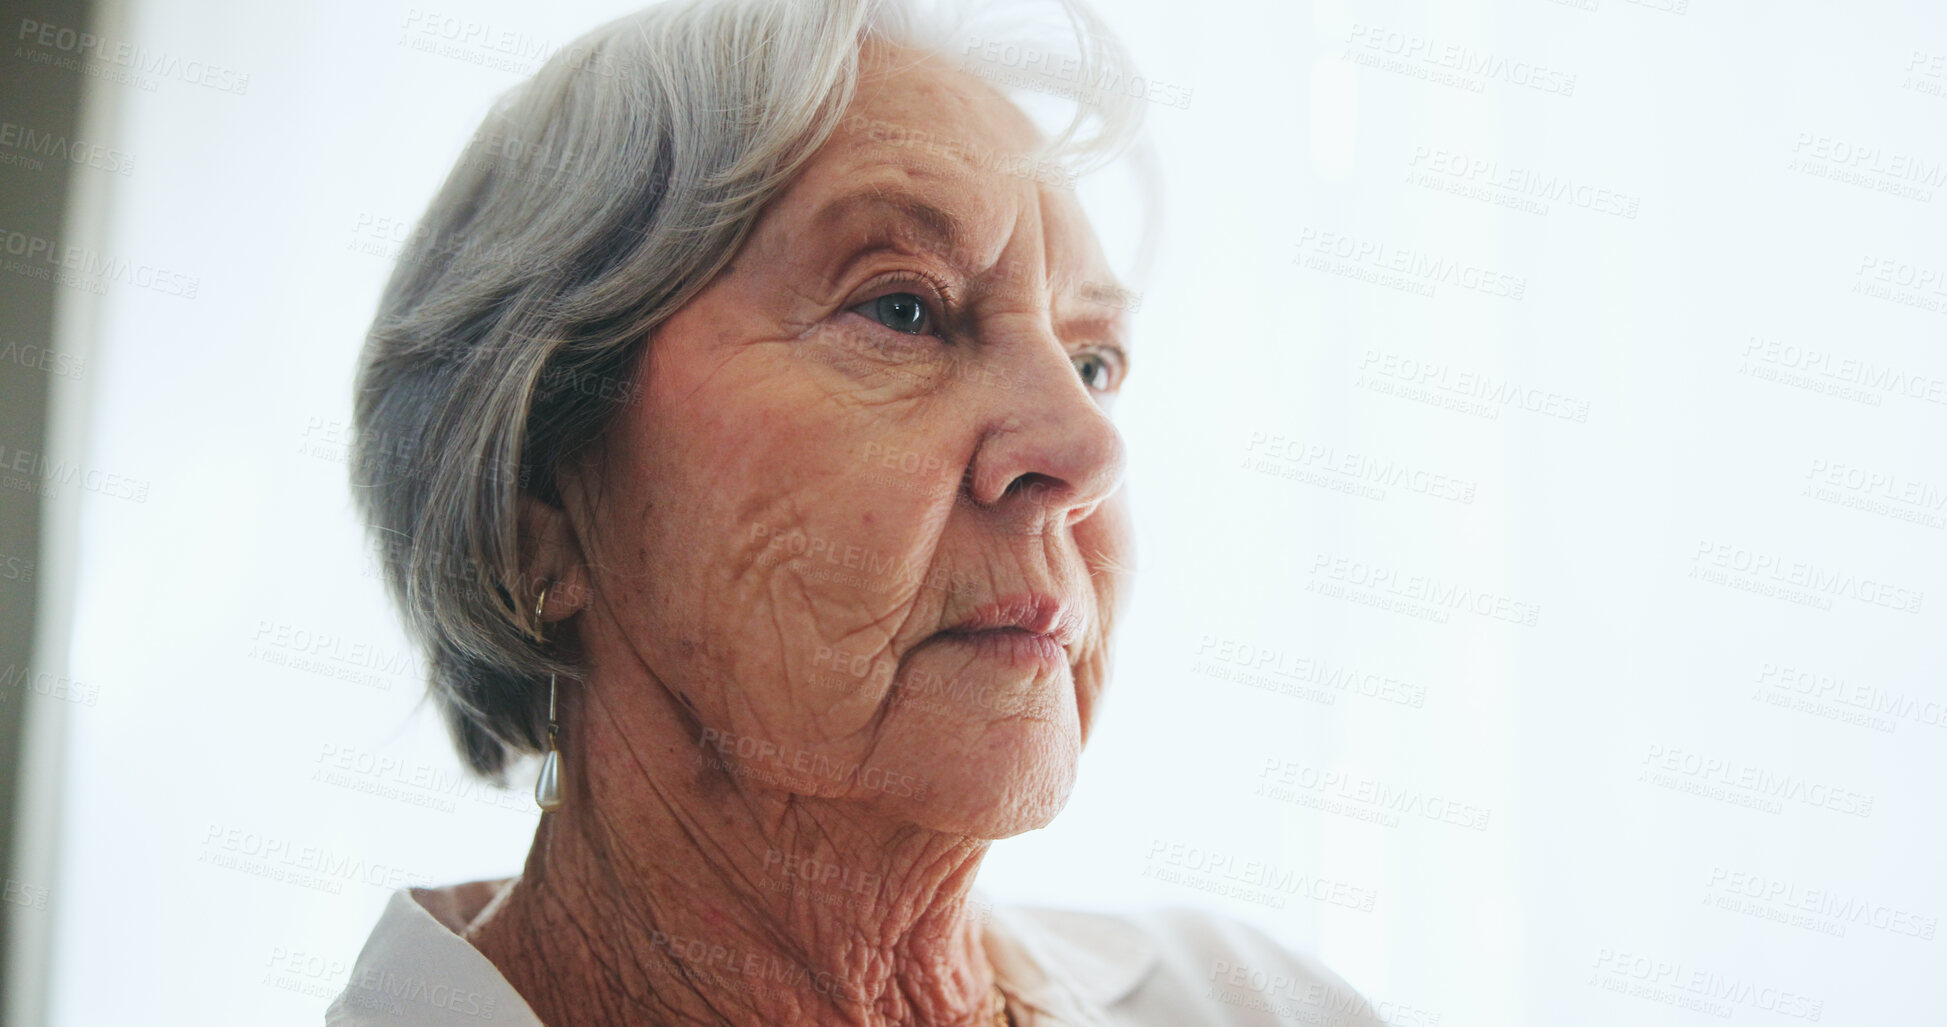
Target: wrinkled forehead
{"x":925,"y":91}
{"x":950,"y":162}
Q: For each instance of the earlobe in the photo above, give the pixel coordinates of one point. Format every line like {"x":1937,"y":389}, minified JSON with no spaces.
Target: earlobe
{"x":565,"y":596}
{"x":551,"y":559}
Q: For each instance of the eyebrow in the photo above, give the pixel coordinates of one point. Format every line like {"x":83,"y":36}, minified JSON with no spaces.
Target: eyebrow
{"x":931,"y":219}
{"x":944,"y":229}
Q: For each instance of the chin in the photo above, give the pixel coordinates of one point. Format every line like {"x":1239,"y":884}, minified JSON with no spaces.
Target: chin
{"x":997,"y":778}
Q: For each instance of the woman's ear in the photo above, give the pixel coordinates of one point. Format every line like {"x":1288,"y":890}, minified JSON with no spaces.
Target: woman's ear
{"x":552,"y":558}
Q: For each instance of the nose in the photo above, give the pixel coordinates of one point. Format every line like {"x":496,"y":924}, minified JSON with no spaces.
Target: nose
{"x":1049,"y":445}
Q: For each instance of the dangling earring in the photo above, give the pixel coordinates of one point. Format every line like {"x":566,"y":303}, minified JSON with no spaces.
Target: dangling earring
{"x":547,"y":787}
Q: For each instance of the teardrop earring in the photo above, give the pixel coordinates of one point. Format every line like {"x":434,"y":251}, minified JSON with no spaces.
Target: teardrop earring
{"x":547,"y":787}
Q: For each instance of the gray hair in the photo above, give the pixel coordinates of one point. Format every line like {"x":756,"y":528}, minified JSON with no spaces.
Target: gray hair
{"x":595,"y":200}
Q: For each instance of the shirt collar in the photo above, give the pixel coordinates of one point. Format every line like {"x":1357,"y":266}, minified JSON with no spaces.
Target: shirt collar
{"x":1063,"y":967}
{"x":1069,"y":966}
{"x":414,"y":965}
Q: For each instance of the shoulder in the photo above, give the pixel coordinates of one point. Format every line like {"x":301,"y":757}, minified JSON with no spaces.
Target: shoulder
{"x":1179,"y":965}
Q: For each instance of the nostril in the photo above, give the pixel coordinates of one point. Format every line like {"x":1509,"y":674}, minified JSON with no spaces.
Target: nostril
{"x":1082,"y":513}
{"x":1039,"y":488}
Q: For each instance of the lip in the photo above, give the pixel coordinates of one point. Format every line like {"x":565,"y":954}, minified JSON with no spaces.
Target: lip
{"x":1012,"y":647}
{"x":1035,"y":613}
{"x":1024,"y":630}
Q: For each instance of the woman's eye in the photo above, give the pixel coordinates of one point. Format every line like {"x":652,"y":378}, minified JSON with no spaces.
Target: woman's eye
{"x":1096,"y":371}
{"x":899,"y":311}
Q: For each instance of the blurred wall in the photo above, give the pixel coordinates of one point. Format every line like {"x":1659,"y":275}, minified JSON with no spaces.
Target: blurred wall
{"x":39,"y":122}
{"x":1535,"y":442}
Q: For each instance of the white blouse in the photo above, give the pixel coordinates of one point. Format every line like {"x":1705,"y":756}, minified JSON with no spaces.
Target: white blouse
{"x":1059,"y":969}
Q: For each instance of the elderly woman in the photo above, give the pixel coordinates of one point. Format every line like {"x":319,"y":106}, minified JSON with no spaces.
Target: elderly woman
{"x":738,"y":424}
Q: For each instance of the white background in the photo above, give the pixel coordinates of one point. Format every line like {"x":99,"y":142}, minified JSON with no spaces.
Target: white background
{"x":1755,"y":145}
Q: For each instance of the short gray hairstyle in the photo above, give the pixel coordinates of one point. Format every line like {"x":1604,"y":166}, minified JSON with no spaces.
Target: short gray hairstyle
{"x":595,"y":200}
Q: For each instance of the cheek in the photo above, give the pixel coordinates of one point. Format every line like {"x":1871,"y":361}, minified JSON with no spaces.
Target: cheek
{"x":837,"y":567}
{"x":785,"y":537}
{"x":1106,"y":541}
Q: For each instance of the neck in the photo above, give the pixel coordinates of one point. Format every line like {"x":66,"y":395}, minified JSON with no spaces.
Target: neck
{"x":665,"y":891}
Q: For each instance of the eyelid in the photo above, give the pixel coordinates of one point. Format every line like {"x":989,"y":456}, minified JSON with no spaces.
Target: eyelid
{"x":1116,"y":355}
{"x":936,"y":295}
{"x":940,"y":292}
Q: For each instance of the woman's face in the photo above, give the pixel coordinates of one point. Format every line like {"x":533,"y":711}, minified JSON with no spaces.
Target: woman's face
{"x":865,"y":520}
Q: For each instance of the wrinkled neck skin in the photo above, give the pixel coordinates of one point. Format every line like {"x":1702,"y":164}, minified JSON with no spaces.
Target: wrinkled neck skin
{"x":665,"y":891}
